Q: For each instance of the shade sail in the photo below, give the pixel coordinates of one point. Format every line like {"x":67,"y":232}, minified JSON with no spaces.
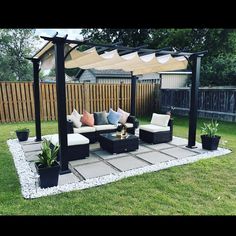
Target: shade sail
{"x":90,"y":59}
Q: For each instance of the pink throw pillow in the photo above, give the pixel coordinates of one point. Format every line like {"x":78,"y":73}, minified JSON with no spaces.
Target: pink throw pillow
{"x":87,"y":119}
{"x":124,"y":116}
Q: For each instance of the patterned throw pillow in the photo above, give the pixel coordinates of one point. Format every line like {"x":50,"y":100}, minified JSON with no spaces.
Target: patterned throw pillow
{"x":87,"y":119}
{"x":124,"y":116}
{"x":75,"y":117}
{"x":113,"y":117}
{"x":100,"y":118}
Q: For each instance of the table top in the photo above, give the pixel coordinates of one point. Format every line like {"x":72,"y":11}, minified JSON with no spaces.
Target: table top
{"x":113,"y":137}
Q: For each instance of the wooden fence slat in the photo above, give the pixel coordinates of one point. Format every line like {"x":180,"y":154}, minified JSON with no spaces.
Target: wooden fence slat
{"x":2,"y":119}
{"x":51,"y":101}
{"x":47,"y":102}
{"x":19,"y":101}
{"x":27,"y":92}
{"x":10,"y":102}
{"x":43,"y":99}
{"x":31,"y":91}
{"x":24,"y":102}
{"x":55,"y":100}
{"x":5,"y":102}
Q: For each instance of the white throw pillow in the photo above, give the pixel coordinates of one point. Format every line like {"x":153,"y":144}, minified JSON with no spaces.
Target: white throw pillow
{"x":159,"y":119}
{"x":124,"y":116}
{"x":75,"y":117}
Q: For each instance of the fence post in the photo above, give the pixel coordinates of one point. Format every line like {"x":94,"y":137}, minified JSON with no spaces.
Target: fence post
{"x":120,"y":95}
{"x":86,"y":97}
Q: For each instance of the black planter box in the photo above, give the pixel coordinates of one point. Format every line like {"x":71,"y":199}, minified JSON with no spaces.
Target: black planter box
{"x":22,"y":135}
{"x":48,"y":175}
{"x":210,"y":143}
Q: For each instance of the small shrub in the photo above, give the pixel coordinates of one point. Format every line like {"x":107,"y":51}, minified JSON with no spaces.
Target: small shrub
{"x":210,"y":129}
{"x":48,"y":156}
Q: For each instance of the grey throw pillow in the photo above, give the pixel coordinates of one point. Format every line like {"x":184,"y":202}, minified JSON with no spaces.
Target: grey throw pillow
{"x":100,"y":118}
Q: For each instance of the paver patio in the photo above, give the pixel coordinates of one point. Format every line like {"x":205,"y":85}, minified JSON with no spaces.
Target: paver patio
{"x":101,"y":162}
{"x":103,"y":167}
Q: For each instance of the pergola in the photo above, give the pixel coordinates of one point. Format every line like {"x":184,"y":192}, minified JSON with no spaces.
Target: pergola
{"x":59,"y":52}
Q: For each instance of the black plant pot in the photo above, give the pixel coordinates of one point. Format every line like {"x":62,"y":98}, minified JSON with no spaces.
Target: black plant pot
{"x":48,"y":175}
{"x":22,"y":135}
{"x":210,"y":143}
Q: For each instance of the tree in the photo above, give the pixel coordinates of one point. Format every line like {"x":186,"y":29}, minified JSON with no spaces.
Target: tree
{"x":218,"y":65}
{"x":128,"y":37}
{"x":15,"y":45}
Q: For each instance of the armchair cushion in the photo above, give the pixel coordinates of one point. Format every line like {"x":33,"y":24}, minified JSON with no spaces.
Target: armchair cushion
{"x":160,"y":120}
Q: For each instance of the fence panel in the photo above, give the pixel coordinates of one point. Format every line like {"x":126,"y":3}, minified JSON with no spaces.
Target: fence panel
{"x":17,"y":100}
{"x":215,"y":103}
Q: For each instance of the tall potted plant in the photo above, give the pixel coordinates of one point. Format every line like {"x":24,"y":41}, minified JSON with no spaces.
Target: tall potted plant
{"x":47,"y":166}
{"x":210,"y":140}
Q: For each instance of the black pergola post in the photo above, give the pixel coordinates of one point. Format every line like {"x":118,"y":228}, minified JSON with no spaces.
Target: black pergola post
{"x":194,"y":101}
{"x":61,"y":102}
{"x":133,"y":95}
{"x":36,"y":99}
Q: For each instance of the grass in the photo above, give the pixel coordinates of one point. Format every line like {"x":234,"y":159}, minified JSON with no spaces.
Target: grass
{"x":205,"y":187}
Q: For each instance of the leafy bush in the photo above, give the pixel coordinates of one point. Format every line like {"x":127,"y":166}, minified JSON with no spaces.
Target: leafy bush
{"x":48,"y":156}
{"x":210,"y":129}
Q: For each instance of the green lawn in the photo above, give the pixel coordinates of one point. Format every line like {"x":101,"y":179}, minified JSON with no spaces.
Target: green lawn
{"x":207,"y":187}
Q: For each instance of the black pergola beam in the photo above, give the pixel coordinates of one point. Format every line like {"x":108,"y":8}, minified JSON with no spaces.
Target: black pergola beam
{"x":37,"y":99}
{"x":196,"y":59}
{"x":133,"y":95}
{"x":36,"y":90}
{"x":111,"y":46}
{"x":61,"y":102}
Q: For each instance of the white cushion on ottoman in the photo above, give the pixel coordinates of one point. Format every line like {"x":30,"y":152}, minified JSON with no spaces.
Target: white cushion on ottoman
{"x":73,"y":139}
{"x":154,"y":128}
{"x":160,"y":120}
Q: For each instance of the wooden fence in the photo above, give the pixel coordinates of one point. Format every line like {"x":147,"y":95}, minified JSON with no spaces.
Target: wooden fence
{"x":17,"y":101}
{"x":214,"y":103}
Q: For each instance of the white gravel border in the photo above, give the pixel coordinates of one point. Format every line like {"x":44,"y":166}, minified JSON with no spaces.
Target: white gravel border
{"x":28,"y":179}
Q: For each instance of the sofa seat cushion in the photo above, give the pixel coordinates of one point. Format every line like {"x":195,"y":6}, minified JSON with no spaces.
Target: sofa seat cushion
{"x":129,"y":125}
{"x":104,"y":127}
{"x":73,"y":139}
{"x":154,"y":128}
{"x":84,"y":129}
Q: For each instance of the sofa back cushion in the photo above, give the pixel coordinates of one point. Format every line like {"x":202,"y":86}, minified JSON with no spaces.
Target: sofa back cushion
{"x":75,"y":117}
{"x":87,"y":119}
{"x":113,"y":117}
{"x":100,"y":118}
{"x":124,"y":116}
{"x":160,"y":120}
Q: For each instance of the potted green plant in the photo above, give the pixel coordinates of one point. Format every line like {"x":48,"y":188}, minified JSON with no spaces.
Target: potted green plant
{"x":210,"y":140}
{"x":22,"y":134}
{"x":47,"y":166}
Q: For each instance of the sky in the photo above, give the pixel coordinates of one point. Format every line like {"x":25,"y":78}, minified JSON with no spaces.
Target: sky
{"x":72,"y":34}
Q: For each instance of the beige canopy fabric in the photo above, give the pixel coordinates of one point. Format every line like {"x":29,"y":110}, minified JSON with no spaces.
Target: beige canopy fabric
{"x":90,"y":59}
